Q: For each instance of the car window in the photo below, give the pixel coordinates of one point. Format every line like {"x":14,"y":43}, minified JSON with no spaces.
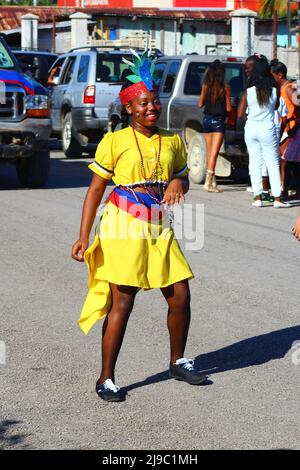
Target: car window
{"x":194,"y":78}
{"x":55,"y":71}
{"x":235,"y":77}
{"x":24,"y":62}
{"x":68,"y":71}
{"x":6,"y":61}
{"x":171,"y":77}
{"x":83,"y":69}
{"x":110,"y":68}
{"x":159,"y":72}
{"x":28,"y":58}
{"x":24,"y":58}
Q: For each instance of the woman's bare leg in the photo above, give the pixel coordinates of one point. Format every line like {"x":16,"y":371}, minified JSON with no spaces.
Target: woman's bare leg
{"x":215,"y":146}
{"x":114,"y":328}
{"x":208,"y":142}
{"x":179,"y":314}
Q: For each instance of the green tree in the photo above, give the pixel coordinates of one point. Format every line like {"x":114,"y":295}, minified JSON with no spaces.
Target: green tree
{"x":269,"y":6}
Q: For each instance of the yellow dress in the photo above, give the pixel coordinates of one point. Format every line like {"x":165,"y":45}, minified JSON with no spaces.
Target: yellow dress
{"x":126,"y":249}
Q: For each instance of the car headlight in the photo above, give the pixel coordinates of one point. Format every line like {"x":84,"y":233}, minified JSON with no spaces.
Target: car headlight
{"x":37,"y":102}
{"x":37,"y":106}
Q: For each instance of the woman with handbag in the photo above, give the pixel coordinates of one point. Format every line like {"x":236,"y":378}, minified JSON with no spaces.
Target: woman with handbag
{"x":290,"y":148}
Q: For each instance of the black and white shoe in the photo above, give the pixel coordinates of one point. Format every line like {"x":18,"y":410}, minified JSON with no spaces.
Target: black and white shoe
{"x":108,"y":391}
{"x":183,"y":369}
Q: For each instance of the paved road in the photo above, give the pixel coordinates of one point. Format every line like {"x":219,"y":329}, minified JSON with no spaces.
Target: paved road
{"x":245,"y":300}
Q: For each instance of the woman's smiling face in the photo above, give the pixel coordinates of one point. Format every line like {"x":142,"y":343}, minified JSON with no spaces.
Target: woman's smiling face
{"x":145,"y":108}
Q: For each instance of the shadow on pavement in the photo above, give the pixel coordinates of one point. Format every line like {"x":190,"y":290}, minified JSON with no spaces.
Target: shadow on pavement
{"x":250,"y":352}
{"x":6,"y":439}
{"x":64,"y":173}
{"x":246,"y":353}
{"x":67,"y":173}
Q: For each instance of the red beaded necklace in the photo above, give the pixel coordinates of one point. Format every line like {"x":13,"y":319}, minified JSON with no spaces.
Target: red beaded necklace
{"x":157,"y":170}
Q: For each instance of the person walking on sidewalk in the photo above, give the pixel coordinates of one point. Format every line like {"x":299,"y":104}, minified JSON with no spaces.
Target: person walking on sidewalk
{"x":291,"y":153}
{"x":135,"y":247}
{"x":261,"y":99}
{"x":215,"y":98}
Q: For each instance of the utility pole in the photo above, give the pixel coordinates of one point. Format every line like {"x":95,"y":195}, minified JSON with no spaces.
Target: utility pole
{"x":298,"y":42}
{"x":297,"y":30}
{"x":53,"y":34}
{"x":275,"y":35}
{"x":289,"y":24}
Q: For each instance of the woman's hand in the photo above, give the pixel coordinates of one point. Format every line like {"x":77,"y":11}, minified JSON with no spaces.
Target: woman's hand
{"x":175,"y":192}
{"x":296,"y":229}
{"x":78,"y":249}
{"x":92,"y":200}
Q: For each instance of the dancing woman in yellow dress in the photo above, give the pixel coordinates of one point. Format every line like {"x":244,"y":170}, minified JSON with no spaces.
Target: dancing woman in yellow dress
{"x":134,"y":245}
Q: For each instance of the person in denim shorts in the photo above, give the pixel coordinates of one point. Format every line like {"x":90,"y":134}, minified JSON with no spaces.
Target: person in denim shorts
{"x":215,"y":98}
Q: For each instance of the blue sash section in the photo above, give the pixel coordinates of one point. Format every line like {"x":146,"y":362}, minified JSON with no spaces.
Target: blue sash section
{"x":142,"y":198}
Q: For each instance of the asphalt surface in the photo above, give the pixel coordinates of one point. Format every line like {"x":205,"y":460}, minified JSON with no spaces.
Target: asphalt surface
{"x":245,"y":303}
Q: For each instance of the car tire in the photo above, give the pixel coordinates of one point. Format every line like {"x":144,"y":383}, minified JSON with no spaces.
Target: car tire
{"x":33,"y":172}
{"x":70,"y":144}
{"x":197,"y":159}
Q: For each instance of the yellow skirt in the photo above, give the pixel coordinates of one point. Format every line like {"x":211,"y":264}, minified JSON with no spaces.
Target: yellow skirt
{"x":131,"y":252}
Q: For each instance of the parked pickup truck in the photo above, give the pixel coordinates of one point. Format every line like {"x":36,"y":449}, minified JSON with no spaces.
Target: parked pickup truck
{"x":179,"y":80}
{"x":25,"y":123}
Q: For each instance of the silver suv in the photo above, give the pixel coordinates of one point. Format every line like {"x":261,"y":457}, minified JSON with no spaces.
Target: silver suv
{"x":83,"y":83}
{"x":180,"y":79}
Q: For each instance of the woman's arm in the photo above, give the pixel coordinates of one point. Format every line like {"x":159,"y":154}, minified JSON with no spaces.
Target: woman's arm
{"x":92,"y":200}
{"x":228,"y":98}
{"x":296,"y":229}
{"x":202,"y":96}
{"x":242,"y":107}
{"x":278,"y":99}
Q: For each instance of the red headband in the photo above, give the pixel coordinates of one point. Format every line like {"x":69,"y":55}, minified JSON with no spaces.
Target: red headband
{"x":132,"y":91}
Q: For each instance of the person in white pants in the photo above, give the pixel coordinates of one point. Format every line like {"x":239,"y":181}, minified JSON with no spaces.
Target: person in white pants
{"x":279,"y":113}
{"x":261,"y":99}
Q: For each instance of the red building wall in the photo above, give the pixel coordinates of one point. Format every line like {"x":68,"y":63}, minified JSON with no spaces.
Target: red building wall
{"x":200,"y":3}
{"x":251,"y":4}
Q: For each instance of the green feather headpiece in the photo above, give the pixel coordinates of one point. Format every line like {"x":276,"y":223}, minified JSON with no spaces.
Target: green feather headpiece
{"x":142,"y":68}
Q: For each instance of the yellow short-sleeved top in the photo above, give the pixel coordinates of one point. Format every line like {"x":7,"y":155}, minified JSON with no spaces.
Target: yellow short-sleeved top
{"x":118,"y":158}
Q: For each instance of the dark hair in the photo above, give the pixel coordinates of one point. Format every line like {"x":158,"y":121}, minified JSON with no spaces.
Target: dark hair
{"x":256,"y":57}
{"x":126,"y":84}
{"x":278,"y":67}
{"x":214,"y":79}
{"x":262,"y":80}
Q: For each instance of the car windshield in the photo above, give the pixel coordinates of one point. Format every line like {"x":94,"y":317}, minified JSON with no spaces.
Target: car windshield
{"x":110,"y":68}
{"x":6,"y":61}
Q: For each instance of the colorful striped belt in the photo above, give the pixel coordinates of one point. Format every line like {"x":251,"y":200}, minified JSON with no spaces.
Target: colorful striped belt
{"x":142,"y":206}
